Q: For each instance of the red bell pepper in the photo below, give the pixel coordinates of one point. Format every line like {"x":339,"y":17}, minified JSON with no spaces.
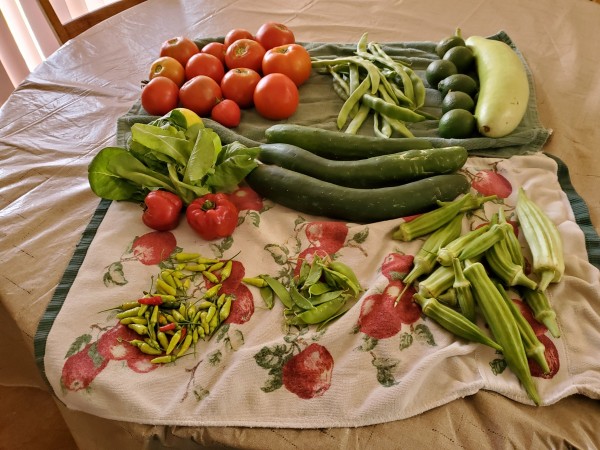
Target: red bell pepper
{"x":162,"y":210}
{"x":212,"y":216}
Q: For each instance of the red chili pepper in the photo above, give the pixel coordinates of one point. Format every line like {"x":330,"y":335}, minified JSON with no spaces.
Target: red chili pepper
{"x":167,"y":327}
{"x":212,"y":216}
{"x":151,"y":301}
{"x":162,"y":210}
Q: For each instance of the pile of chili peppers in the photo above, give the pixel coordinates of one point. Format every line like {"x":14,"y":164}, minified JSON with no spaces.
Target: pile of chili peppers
{"x":185,"y":304}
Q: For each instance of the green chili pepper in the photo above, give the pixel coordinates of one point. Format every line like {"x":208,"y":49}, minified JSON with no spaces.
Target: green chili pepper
{"x":131,"y":312}
{"x":138,"y":320}
{"x":186,"y":256}
{"x":173,"y":342}
{"x":210,"y":276}
{"x":186,"y":345}
{"x":165,"y":288}
{"x":213,"y":291}
{"x":225,"y":309}
{"x":255,"y":281}
{"x":226,"y":272}
{"x":139,"y":329}
{"x":162,"y":339}
{"x":164,"y":359}
{"x":196,"y":267}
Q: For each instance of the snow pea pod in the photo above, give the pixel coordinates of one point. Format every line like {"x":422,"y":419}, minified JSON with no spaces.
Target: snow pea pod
{"x":319,"y":313}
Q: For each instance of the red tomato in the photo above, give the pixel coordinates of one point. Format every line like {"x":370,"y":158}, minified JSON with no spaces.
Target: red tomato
{"x":239,"y":84}
{"x":160,"y":96}
{"x":272,"y":34}
{"x":292,"y":60}
{"x":216,"y":49}
{"x":276,"y":96}
{"x":235,"y":34}
{"x":245,"y":53}
{"x":204,"y":64}
{"x":165,"y":66}
{"x":227,"y":113}
{"x":181,"y":48}
{"x":200,"y":94}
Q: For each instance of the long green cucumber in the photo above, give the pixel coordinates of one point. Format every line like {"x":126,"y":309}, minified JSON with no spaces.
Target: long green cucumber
{"x":312,"y":196}
{"x":341,"y":146}
{"x":377,"y":171}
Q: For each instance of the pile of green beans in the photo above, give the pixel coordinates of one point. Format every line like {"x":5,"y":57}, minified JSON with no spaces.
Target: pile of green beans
{"x":319,"y":294}
{"x":478,"y":267}
{"x":371,"y":81}
{"x":181,"y":307}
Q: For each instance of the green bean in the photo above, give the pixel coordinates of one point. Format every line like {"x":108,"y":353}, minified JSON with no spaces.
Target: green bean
{"x":319,"y":313}
{"x":280,"y":291}
{"x":391,"y":110}
{"x":358,"y":119}
{"x":353,"y":99}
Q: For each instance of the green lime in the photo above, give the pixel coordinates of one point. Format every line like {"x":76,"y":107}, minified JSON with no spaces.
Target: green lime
{"x":446,"y":44}
{"x":457,"y":124}
{"x":438,"y":70}
{"x":457,"y":100}
{"x":462,"y":57}
{"x":458,"y":82}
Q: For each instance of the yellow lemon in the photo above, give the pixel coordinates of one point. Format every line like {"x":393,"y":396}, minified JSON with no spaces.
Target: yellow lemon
{"x":185,"y":117}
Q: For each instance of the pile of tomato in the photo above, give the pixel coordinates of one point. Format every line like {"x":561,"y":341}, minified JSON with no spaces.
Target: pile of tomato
{"x":220,"y":79}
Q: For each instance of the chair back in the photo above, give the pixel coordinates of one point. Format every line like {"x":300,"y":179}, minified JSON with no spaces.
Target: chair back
{"x":76,"y":26}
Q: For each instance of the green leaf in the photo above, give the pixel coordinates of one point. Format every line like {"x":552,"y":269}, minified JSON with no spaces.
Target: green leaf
{"x":361,"y":236}
{"x":423,"y":333}
{"x":273,"y":357}
{"x":106,"y":184}
{"x":406,"y":340}
{"x":498,"y":366}
{"x":162,"y":141}
{"x":203,"y":156}
{"x":79,"y":344}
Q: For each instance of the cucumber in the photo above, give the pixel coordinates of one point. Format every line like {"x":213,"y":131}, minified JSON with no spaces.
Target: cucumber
{"x":320,"y":198}
{"x":377,"y":171}
{"x":340,"y":146}
{"x":503,"y":87}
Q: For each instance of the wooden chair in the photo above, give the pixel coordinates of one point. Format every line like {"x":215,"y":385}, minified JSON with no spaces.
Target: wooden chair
{"x":70,"y":29}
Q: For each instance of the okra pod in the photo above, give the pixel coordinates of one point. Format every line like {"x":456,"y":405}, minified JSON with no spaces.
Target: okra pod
{"x":503,"y":326}
{"x":454,"y":322}
{"x":501,"y":264}
{"x":543,"y":239}
{"x":436,"y":218}
{"x":534,"y":349}
{"x":425,"y":259}
{"x":542,"y":310}
{"x":464,"y":295}
{"x":447,"y":253}
{"x":482,"y":243}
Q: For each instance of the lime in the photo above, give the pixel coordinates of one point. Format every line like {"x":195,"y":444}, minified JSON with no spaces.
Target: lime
{"x":446,"y":44}
{"x":462,"y":57}
{"x":457,"y":100}
{"x":438,"y":70}
{"x":458,"y":82}
{"x":457,"y":124}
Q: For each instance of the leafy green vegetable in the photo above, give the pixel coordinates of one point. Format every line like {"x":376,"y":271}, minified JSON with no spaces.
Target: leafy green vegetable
{"x":164,"y":155}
